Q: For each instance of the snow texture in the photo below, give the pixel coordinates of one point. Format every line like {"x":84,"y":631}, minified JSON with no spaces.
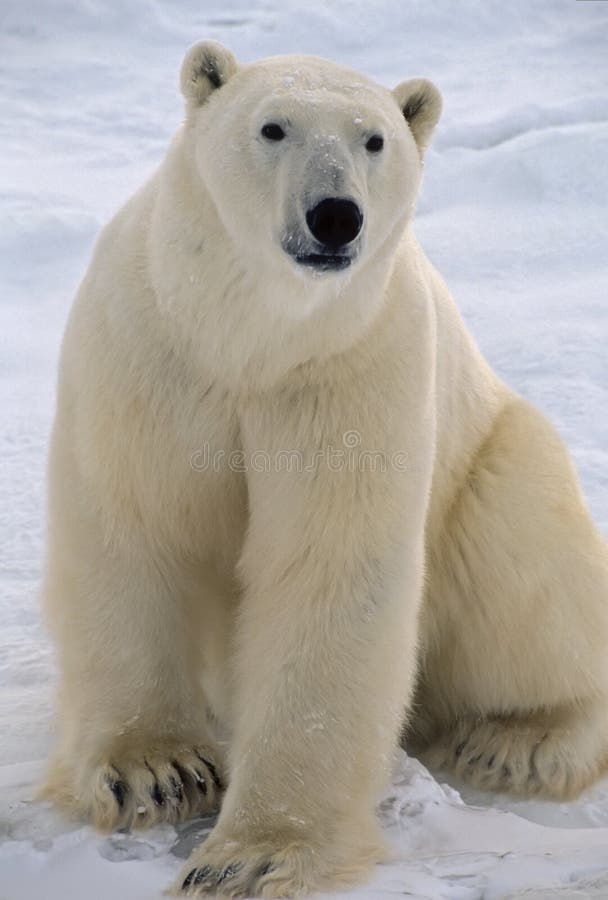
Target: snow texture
{"x":513,"y":212}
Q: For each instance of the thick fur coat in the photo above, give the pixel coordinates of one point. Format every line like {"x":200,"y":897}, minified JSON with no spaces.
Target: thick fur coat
{"x":294,"y":517}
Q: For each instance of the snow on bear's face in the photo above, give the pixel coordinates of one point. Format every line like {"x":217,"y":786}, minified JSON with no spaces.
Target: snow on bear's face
{"x":311,"y":166}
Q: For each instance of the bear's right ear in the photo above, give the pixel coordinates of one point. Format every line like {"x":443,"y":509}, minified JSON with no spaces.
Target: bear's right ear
{"x":206,"y":67}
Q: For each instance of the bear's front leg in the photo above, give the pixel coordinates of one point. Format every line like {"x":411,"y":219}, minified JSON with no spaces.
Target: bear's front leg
{"x":325,"y":657}
{"x":134,"y":745}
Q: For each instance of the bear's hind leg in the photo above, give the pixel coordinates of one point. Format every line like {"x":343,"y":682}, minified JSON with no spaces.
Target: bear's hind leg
{"x":553,"y":755}
{"x":513,"y":691}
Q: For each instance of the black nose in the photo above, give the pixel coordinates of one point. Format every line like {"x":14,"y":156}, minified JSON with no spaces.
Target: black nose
{"x":335,"y":222}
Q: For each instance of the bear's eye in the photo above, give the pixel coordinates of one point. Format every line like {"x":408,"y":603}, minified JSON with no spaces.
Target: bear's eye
{"x":375,"y":143}
{"x":273,"y":132}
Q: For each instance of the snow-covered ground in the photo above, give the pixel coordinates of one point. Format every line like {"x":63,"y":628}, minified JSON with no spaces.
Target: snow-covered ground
{"x":513,"y":213}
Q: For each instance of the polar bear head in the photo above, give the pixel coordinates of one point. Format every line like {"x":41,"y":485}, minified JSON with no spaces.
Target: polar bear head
{"x":311,"y":166}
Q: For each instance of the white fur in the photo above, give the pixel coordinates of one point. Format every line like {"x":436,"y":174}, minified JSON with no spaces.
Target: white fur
{"x":288,"y":607}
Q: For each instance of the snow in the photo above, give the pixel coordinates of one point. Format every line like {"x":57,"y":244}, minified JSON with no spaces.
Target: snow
{"x":513,"y":213}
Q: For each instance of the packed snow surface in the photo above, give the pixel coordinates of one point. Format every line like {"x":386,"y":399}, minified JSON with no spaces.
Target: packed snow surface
{"x":513,"y":212}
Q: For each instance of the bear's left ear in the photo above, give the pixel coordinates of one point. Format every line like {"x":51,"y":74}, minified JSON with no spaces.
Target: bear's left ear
{"x":206,"y":67}
{"x":420,"y":103}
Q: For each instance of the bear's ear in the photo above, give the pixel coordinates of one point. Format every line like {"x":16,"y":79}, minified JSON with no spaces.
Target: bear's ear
{"x":206,"y":67}
{"x":420,"y":103}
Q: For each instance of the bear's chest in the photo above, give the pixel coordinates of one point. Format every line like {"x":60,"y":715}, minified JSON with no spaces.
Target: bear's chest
{"x":180,"y":441}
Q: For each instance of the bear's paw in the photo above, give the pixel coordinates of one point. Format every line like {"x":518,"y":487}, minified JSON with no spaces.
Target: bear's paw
{"x":233,"y":867}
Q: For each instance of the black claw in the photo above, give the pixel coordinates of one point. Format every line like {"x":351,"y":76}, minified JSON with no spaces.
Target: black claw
{"x":203,"y":873}
{"x":200,"y":782}
{"x":228,"y":872}
{"x":212,"y":770}
{"x":195,"y":876}
{"x":474,"y":759}
{"x":177,"y":788}
{"x":119,"y":789}
{"x":491,"y":761}
{"x":266,"y":868}
{"x":191,"y":774}
{"x":189,"y":879}
{"x":506,"y":771}
{"x":156,"y":795}
{"x":185,"y":775}
{"x":460,"y":748}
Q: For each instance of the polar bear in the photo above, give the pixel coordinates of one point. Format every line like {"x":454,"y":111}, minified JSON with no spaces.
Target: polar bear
{"x":294,"y":517}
